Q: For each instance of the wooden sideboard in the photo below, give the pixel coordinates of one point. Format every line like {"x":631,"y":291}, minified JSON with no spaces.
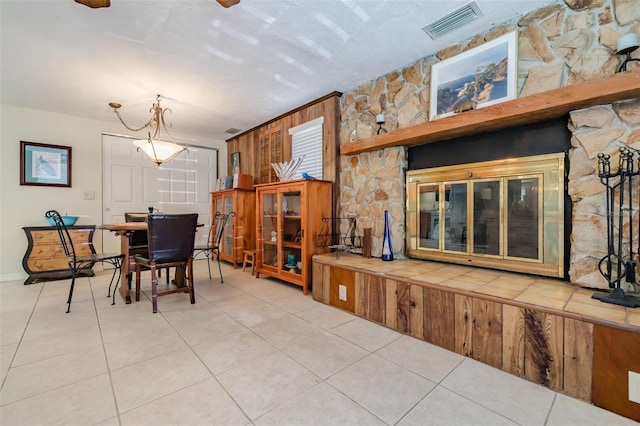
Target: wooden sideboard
{"x":45,"y":258}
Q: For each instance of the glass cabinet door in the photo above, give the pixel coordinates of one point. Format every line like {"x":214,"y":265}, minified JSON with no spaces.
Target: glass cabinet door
{"x":270,"y":229}
{"x":227,"y":236}
{"x":291,"y":226}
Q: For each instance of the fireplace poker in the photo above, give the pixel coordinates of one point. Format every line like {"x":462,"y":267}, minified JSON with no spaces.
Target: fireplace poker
{"x":604,"y":172}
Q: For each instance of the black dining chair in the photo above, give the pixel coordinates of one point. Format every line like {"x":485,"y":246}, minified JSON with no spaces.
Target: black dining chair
{"x":212,"y":248}
{"x":171,"y":240}
{"x":79,"y":262}
{"x":138,"y":244}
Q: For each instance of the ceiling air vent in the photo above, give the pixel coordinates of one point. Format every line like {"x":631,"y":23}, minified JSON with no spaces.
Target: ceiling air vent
{"x":452,"y":21}
{"x":232,"y":130}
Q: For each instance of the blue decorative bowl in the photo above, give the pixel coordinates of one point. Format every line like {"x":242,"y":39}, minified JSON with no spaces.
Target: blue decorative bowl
{"x":67,"y":220}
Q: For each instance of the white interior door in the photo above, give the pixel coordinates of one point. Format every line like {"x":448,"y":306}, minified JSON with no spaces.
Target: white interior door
{"x":133,"y":183}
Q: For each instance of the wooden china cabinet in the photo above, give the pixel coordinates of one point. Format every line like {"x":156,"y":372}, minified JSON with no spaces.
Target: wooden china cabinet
{"x":288,"y":218}
{"x":238,"y":234}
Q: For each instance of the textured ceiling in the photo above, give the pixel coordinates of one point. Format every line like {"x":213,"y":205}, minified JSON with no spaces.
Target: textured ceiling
{"x":216,"y":68}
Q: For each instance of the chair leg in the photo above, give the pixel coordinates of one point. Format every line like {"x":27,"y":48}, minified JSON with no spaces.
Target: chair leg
{"x":129,"y":276}
{"x":166,"y":271}
{"x":220,"y":269}
{"x":244,"y":261}
{"x":192,"y":290}
{"x":154,"y":289}
{"x":73,"y":283}
{"x":209,"y":263}
{"x":138,"y":269}
{"x":115,"y":289}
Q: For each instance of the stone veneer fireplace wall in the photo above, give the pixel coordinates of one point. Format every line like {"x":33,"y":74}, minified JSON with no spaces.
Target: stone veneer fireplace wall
{"x":564,"y":44}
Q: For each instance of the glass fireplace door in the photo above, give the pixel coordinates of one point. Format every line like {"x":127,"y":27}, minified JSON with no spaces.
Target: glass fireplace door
{"x":523,"y":217}
{"x":487,"y":230}
{"x":429,"y":216}
{"x":455,"y":216}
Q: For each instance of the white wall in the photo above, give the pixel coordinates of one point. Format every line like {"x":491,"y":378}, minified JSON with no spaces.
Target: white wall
{"x":25,"y":205}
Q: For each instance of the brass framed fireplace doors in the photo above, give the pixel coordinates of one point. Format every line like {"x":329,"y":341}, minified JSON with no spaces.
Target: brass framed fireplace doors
{"x":501,"y":214}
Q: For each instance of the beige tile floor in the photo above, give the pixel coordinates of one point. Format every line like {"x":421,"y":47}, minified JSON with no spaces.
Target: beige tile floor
{"x":250,"y":351}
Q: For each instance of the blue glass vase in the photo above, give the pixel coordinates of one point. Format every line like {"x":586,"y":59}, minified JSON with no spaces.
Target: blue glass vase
{"x":387,"y":249}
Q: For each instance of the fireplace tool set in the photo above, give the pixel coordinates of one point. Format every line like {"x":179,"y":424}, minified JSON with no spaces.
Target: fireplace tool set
{"x":620,"y":263}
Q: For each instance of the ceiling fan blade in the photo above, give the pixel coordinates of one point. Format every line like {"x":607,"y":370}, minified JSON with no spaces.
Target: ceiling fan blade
{"x":225,"y":3}
{"x":95,"y":4}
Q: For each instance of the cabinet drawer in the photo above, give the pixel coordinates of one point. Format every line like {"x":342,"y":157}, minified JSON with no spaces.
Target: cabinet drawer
{"x":52,"y":237}
{"x":41,"y":265}
{"x":55,"y":251}
{"x":45,"y":237}
{"x":47,"y":251}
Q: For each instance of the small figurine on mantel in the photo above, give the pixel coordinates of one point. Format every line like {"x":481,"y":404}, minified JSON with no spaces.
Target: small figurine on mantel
{"x":467,"y":106}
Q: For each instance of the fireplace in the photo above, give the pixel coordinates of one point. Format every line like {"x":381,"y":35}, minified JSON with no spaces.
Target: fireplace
{"x":506,"y":212}
{"x":503,"y":214}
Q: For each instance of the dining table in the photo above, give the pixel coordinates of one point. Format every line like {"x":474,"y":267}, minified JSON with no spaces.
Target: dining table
{"x":123,"y":230}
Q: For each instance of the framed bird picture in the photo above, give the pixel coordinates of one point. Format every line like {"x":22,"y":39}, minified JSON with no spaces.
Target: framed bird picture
{"x":45,"y":165}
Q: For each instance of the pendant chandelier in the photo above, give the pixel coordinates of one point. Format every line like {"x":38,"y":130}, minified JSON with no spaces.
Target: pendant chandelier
{"x":159,"y":151}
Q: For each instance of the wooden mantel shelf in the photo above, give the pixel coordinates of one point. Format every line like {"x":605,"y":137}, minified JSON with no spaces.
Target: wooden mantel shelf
{"x":530,"y":109}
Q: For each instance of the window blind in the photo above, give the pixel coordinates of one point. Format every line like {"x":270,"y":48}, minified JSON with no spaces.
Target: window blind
{"x":306,"y":142}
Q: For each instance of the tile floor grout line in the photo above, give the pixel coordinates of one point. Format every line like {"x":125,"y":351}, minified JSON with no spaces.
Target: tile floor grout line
{"x":106,"y":358}
{"x":416,"y":404}
{"x":478,"y":403}
{"x":546,"y":418}
{"x":13,"y":358}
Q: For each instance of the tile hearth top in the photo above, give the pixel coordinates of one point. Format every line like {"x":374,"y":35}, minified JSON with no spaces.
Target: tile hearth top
{"x":548,"y":294}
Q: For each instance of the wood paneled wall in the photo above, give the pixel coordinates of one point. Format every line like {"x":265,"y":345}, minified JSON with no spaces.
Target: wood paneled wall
{"x":328,"y":107}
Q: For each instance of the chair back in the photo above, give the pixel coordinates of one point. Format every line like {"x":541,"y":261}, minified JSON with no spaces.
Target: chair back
{"x":137,"y":238}
{"x":217,"y":228}
{"x":171,"y":237}
{"x":63,"y":233}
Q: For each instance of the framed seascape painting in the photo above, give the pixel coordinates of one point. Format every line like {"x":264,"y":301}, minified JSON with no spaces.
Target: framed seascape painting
{"x":45,"y":165}
{"x":480,"y":77}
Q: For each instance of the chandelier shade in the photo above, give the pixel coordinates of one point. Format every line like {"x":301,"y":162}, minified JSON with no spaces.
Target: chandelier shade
{"x":158,"y":150}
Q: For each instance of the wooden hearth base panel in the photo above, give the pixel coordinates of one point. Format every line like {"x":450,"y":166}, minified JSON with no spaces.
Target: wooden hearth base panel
{"x":548,"y":346}
{"x":616,"y":352}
